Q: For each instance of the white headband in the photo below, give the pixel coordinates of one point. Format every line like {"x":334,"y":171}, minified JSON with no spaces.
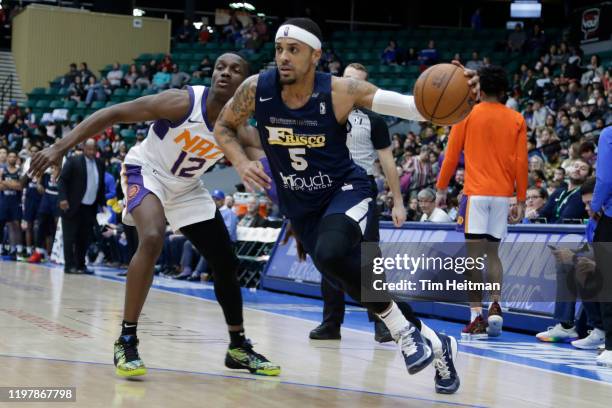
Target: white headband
{"x":297,"y":33}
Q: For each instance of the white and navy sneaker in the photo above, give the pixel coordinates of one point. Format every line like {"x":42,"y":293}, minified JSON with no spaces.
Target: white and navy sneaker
{"x":605,"y":359}
{"x":415,"y":349}
{"x":446,"y":379}
{"x":595,"y":338}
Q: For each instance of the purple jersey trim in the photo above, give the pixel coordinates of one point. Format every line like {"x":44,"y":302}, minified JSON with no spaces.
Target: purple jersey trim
{"x":136,"y":190}
{"x":191,"y":100}
{"x":161,"y":127}
{"x":204,"y":97}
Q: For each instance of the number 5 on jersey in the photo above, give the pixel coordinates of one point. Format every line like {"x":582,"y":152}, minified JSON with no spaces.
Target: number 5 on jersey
{"x":297,"y":161}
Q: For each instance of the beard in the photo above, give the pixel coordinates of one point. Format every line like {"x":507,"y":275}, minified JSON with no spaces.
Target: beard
{"x":287,"y":81}
{"x":576,"y":181}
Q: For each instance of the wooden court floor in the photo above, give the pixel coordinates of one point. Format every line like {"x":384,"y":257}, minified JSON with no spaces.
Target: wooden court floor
{"x":58,"y":330}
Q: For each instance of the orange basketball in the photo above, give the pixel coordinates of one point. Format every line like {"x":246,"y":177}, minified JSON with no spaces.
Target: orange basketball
{"x":442,"y":94}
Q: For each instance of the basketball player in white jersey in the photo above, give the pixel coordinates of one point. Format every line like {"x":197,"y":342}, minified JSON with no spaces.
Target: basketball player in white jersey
{"x":161,"y":180}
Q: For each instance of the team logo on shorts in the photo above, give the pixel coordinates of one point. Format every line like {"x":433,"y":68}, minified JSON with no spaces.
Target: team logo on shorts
{"x":460,"y":220}
{"x":133,"y":191}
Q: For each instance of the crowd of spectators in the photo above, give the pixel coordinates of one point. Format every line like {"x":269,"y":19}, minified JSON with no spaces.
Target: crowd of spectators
{"x":564,"y":97}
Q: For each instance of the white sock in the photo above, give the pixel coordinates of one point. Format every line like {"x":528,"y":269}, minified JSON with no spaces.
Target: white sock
{"x":19,"y":248}
{"x":394,"y":320}
{"x":41,"y":251}
{"x":474,"y":313}
{"x":431,"y":335}
{"x":29,"y":250}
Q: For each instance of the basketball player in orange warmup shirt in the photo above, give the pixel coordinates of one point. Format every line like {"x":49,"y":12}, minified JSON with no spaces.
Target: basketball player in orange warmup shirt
{"x":494,"y":141}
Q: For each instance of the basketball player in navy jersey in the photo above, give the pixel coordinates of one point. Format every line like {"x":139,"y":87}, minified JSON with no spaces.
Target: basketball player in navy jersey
{"x":301,"y":115}
{"x":162,"y":181}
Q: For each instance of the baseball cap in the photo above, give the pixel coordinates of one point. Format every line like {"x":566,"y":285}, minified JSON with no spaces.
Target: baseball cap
{"x":218,"y":195}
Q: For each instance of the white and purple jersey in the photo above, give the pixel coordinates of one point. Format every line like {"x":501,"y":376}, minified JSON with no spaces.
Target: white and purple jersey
{"x":169,"y":164}
{"x":183,"y":150}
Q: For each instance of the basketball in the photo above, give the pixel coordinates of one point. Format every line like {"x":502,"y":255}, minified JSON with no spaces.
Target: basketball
{"x":442,"y":94}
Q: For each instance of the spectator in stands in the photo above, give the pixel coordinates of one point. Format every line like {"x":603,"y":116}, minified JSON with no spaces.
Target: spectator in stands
{"x":429,"y":56}
{"x":389,"y":55}
{"x":13,"y":109}
{"x":252,"y":218}
{"x":566,"y":203}
{"x":161,"y":80}
{"x":594,"y":70}
{"x":587,"y":153}
{"x":517,"y":39}
{"x":528,"y":82}
{"x":540,"y":112}
{"x":178,"y":79}
{"x":411,"y":57}
{"x":570,"y":265}
{"x":186,"y":32}
{"x":131,"y":76}
{"x":427,"y":204}
{"x":70,"y":75}
{"x":537,"y":39}
{"x":115,"y":76}
{"x":476,"y":20}
{"x":261,"y":28}
{"x":76,"y":90}
{"x":152,"y":69}
{"x":204,"y":34}
{"x":419,"y":169}
{"x":166,"y":63}
{"x":85,"y":73}
{"x":144,"y":80}
{"x":475,"y":62}
{"x":97,"y":91}
{"x":536,"y":199}
{"x":205,"y":69}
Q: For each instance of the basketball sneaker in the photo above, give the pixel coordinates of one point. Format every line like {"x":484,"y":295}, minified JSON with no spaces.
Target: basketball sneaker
{"x":595,"y":338}
{"x":477,"y":329}
{"x":558,"y":334}
{"x":605,"y":359}
{"x":126,"y":359}
{"x":446,"y":379}
{"x":495,"y":320}
{"x":244,"y":357}
{"x":415,"y":349}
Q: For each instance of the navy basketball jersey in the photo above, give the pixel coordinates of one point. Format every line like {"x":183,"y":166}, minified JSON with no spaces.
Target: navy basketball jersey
{"x":306,"y":147}
{"x":15,"y":176}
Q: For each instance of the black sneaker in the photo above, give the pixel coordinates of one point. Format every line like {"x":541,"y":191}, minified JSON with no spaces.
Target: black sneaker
{"x":325,"y":331}
{"x":126,"y":358}
{"x":244,"y":357}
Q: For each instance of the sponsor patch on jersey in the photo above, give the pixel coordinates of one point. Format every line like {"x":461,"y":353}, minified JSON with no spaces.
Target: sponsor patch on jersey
{"x":285,"y":137}
{"x":133,"y":191}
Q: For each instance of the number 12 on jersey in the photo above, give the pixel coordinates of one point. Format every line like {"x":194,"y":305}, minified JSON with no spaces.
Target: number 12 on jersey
{"x":186,"y":171}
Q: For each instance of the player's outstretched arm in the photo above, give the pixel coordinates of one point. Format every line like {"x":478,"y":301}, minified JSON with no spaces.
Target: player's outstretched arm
{"x":365,"y":95}
{"x":232,"y":117}
{"x":172,"y":105}
{"x":353,"y":92}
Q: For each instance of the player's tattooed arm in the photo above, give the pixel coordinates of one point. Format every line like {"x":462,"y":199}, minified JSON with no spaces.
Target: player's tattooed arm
{"x":232,"y":117}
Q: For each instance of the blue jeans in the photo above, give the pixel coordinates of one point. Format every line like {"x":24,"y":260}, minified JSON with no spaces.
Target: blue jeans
{"x":188,"y":257}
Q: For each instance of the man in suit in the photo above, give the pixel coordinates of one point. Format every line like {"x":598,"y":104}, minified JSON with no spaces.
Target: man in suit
{"x":81,"y":191}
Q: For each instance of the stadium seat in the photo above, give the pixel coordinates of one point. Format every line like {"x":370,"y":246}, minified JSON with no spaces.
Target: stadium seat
{"x":119,"y":95}
{"x":42,"y":105}
{"x":69,"y":104}
{"x":80,"y":108}
{"x":56,"y":104}
{"x":133,"y":93}
{"x":97,"y":105}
